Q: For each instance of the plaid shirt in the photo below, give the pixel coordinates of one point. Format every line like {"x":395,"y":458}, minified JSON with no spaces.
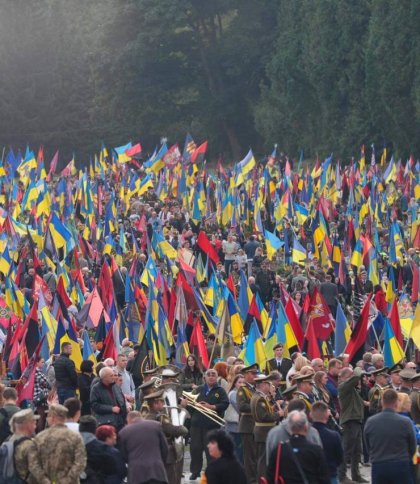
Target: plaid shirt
{"x":41,"y":385}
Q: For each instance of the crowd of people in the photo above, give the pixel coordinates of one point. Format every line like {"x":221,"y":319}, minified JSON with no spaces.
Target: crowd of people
{"x":262,"y":316}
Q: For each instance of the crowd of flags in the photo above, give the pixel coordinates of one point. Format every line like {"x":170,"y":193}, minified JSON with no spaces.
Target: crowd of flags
{"x":56,"y":218}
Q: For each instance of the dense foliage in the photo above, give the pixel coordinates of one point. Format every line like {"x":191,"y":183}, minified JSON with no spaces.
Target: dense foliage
{"x":318,"y":75}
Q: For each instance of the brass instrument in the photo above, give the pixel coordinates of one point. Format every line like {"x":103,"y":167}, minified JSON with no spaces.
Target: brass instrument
{"x":211,"y":414}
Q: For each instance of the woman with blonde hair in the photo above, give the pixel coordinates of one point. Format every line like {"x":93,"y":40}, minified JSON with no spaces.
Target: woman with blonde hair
{"x":299,"y":362}
{"x":404,"y":408}
{"x":234,"y":370}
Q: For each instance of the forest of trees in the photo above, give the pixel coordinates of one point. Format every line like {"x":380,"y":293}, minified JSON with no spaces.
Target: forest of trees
{"x":315,"y":75}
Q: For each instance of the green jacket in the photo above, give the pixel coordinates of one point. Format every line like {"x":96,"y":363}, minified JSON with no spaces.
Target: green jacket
{"x":351,"y":403}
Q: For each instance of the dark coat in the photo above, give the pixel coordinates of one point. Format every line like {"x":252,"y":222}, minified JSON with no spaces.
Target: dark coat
{"x":310,"y":457}
{"x":102,"y":399}
{"x":216,"y":396}
{"x":331,"y":443}
{"x":105,"y":464}
{"x":85,"y":385}
{"x":144,"y":448}
{"x":330,"y":292}
{"x":225,"y":471}
{"x":65,"y":372}
{"x":285,"y":366}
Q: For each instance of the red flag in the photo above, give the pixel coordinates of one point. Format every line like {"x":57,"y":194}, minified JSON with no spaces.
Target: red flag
{"x":294,"y":322}
{"x":62,"y":292}
{"x":320,"y":316}
{"x":25,"y":387}
{"x":231,"y":285}
{"x":41,"y":285}
{"x":311,"y":342}
{"x":359,"y":334}
{"x":394,"y":319}
{"x":53,"y":166}
{"x":172,"y":156}
{"x":206,"y":246}
{"x":199,"y":153}
{"x":197,"y":341}
{"x":110,"y":351}
{"x":134,"y":150}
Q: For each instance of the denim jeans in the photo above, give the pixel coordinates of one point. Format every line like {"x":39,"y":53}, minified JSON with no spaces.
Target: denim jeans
{"x":65,"y":393}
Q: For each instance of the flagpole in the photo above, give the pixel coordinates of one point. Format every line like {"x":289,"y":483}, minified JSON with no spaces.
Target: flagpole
{"x":376,"y":336}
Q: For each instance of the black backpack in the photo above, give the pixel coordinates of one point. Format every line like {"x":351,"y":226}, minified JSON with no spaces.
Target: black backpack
{"x":5,"y":431}
{"x":7,"y":462}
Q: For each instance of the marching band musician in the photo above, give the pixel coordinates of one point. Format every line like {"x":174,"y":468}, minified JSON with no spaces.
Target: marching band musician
{"x":304,"y":386}
{"x":156,"y":404}
{"x":144,"y":390}
{"x":212,"y":397}
{"x":246,"y":421}
{"x":266,"y":415}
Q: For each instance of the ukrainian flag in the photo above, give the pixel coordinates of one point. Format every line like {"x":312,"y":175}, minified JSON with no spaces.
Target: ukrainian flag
{"x":298,"y":252}
{"x":273,"y":244}
{"x":253,"y":351}
{"x":235,"y":318}
{"x":393,"y":353}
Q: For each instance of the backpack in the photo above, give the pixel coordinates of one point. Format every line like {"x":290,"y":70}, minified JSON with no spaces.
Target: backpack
{"x":4,"y":425}
{"x":7,"y":462}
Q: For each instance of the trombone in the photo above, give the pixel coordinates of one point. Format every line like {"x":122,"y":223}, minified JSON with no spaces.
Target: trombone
{"x":211,"y":414}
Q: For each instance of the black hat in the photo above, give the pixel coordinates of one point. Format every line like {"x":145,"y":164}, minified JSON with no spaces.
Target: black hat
{"x":155,"y":396}
{"x":304,"y":378}
{"x":147,"y":384}
{"x":152,"y":371}
{"x":250,"y":369}
{"x":396,"y":368}
{"x":278,"y":345}
{"x":289,"y":391}
{"x":380,"y":371}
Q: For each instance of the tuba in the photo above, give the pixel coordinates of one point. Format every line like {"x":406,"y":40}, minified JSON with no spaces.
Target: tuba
{"x":176,"y":414}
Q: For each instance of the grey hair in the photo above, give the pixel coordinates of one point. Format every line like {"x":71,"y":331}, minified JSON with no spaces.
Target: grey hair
{"x":297,"y":422}
{"x":103,"y":371}
{"x":212,"y":370}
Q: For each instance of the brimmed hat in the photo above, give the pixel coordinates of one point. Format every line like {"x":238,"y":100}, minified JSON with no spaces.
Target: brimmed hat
{"x":250,"y":369}
{"x":168,"y":373}
{"x":23,"y":416}
{"x":289,"y":391}
{"x":407,"y":374}
{"x":380,"y":372}
{"x":263,"y":378}
{"x":304,"y":378}
{"x":396,"y":368}
{"x":155,"y":396}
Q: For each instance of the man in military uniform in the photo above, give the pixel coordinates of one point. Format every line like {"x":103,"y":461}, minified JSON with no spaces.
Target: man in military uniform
{"x":175,"y":458}
{"x":246,"y":421}
{"x":146,"y":389}
{"x":415,"y":398}
{"x":59,"y":453}
{"x":395,"y":377}
{"x":265,"y":416}
{"x":304,"y":385}
{"x":23,"y":425}
{"x":406,"y":384}
{"x":279,"y":362}
{"x":375,"y":393}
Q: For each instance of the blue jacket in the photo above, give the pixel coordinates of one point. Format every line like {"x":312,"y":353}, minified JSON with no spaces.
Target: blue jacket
{"x":416,"y":429}
{"x":331,"y":443}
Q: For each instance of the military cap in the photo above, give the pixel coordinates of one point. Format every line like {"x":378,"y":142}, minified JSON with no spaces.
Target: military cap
{"x":263,"y":378}
{"x":407,"y":373}
{"x":58,"y":410}
{"x":278,"y":345}
{"x":169,"y":373}
{"x":250,"y":369}
{"x":396,"y":368}
{"x":147,"y":384}
{"x":23,"y":416}
{"x":151,"y":371}
{"x":304,"y":378}
{"x":380,"y":371}
{"x":289,"y":391}
{"x":415,"y":377}
{"x":155,"y":396}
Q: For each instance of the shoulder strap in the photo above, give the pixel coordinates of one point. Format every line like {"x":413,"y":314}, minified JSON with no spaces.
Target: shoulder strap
{"x":277,"y":477}
{"x":16,"y":444}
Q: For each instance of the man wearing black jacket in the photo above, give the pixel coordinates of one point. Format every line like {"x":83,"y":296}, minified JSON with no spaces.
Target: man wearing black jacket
{"x":213,"y":397}
{"x":298,"y":458}
{"x":65,"y":374}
